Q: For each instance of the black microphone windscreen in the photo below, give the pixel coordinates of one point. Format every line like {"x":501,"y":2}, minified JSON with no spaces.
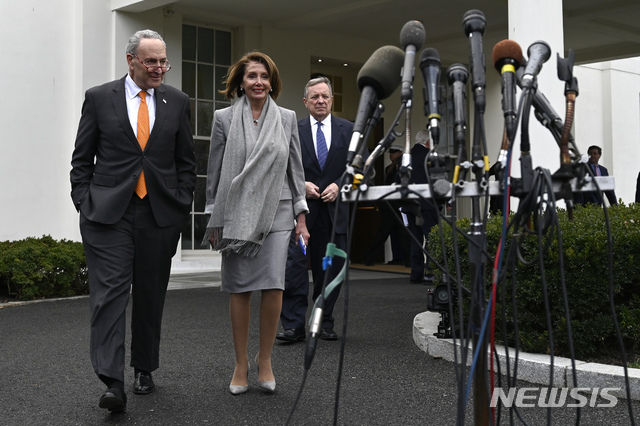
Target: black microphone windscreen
{"x":539,"y":49}
{"x":382,"y":71}
{"x":412,"y":33}
{"x":429,"y":56}
{"x":507,"y":51}
{"x":472,"y":21}
{"x":457,"y":72}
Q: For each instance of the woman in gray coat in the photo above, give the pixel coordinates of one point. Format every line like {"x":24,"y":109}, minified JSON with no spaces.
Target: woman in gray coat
{"x":255,"y":190}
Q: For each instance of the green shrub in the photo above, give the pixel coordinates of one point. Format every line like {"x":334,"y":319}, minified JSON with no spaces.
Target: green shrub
{"x":586,"y":274}
{"x":42,"y":267}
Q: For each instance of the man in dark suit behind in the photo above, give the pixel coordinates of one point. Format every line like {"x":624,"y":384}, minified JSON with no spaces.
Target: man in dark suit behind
{"x":132,"y":181}
{"x":323,"y":187}
{"x":595,"y":152}
{"x":421,"y":217}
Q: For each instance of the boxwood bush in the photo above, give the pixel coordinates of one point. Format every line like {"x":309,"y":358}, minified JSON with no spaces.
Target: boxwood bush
{"x":586,"y":272}
{"x":42,"y":267}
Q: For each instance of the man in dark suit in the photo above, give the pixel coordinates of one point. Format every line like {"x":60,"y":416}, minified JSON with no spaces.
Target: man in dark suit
{"x":595,"y":152}
{"x":132,"y":180}
{"x":422,"y":217}
{"x":390,"y":226}
{"x":325,"y":142}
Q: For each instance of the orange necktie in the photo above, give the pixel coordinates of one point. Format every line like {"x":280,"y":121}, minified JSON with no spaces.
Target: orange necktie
{"x":143,"y":136}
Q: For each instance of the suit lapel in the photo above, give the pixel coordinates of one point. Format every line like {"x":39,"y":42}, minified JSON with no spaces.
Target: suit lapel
{"x":120,"y":108}
{"x":161,"y":111}
{"x":306,"y":140}
{"x":336,"y":137}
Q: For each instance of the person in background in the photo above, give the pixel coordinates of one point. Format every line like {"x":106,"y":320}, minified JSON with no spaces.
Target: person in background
{"x":595,"y":152}
{"x":255,"y":190}
{"x":421,"y":217}
{"x":389,"y":224}
{"x":324,"y":139}
{"x":132,"y":180}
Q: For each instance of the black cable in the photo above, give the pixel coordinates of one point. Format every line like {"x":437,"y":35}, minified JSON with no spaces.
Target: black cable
{"x":345,"y":318}
{"x":616,"y":325}
{"x":563,"y":286}
{"x":545,"y":297}
{"x":309,"y":354}
{"x":298,"y":395}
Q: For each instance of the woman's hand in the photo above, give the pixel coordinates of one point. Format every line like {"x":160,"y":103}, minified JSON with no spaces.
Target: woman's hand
{"x":301,"y":228}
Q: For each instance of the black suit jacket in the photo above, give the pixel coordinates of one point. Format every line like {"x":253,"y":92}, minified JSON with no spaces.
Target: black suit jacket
{"x":419,"y":154}
{"x":592,"y":196}
{"x":335,"y":166}
{"x":107,"y":159}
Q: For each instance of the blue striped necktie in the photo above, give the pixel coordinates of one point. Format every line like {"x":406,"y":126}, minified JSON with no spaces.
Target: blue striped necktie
{"x":321,"y":146}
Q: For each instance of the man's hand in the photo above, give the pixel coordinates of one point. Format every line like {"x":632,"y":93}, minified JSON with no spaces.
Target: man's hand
{"x":313,"y":192}
{"x":330,"y":194}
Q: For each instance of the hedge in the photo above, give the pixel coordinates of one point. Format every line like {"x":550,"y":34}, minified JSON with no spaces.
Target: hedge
{"x":586,"y":272}
{"x":36,"y":268}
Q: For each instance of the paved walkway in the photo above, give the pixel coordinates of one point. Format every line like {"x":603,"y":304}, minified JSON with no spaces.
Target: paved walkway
{"x":46,"y":376}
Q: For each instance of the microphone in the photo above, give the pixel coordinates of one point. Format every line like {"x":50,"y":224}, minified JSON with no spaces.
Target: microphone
{"x":473,"y":23}
{"x":371,"y":124}
{"x":538,"y":53}
{"x":545,"y":113}
{"x":412,"y":38}
{"x":378,"y":79}
{"x":430,"y":66}
{"x":457,"y":76}
{"x":507,"y":56}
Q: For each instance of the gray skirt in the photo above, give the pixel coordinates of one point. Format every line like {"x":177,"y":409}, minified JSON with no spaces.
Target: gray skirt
{"x":266,"y":270}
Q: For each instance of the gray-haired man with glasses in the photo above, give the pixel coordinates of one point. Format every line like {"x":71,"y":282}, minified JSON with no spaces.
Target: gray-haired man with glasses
{"x":132,"y":180}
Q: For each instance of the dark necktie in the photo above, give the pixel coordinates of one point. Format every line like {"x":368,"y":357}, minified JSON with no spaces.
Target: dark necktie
{"x":322,"y":146}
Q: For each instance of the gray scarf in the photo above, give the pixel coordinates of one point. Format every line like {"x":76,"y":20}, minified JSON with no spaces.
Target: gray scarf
{"x":251,"y":180}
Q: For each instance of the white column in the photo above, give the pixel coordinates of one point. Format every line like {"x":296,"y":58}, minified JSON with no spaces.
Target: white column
{"x":529,"y":21}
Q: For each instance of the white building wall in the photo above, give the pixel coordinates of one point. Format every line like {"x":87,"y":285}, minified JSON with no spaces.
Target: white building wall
{"x":41,"y":46}
{"x":608,"y":115}
{"x":624,"y":114}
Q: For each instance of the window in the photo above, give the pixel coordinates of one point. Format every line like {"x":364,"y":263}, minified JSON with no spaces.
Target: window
{"x":206,"y":57}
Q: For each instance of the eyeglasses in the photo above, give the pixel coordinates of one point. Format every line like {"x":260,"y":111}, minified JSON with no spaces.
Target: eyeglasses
{"x":151,"y":65}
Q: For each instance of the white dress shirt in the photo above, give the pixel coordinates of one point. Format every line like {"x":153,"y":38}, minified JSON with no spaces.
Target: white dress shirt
{"x":133,"y":103}
{"x":326,"y":130}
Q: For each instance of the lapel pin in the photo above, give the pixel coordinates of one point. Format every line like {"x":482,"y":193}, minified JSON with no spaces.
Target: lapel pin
{"x":164,"y":100}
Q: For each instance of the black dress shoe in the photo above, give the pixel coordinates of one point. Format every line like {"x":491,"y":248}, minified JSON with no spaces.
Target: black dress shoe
{"x":143,"y":383}
{"x":292,"y":335}
{"x":113,"y":399}
{"x":328,"y":334}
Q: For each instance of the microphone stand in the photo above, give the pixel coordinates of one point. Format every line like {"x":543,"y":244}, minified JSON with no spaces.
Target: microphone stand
{"x":477,"y":261}
{"x":566,"y":170}
{"x":405,"y":165}
{"x":355,"y":169}
{"x":379,"y":150}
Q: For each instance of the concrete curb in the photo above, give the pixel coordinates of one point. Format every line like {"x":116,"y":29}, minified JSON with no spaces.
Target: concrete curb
{"x":534,"y":368}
